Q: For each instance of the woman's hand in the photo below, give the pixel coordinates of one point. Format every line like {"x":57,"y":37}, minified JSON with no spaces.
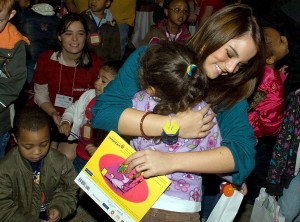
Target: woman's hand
{"x":244,"y":190}
{"x":56,"y":117}
{"x":65,"y":128}
{"x":195,"y":124}
{"x":91,"y":149}
{"x":150,"y":162}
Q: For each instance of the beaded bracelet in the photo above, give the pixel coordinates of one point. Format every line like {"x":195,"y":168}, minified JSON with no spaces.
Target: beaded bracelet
{"x":141,"y":126}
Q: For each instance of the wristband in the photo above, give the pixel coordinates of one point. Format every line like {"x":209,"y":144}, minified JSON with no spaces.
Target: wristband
{"x":141,"y":126}
{"x":170,"y":132}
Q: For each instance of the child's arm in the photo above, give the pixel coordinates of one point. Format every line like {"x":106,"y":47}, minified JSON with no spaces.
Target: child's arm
{"x":16,"y":68}
{"x":64,"y":199}
{"x":91,"y":149}
{"x":74,"y":114}
{"x":267,"y":116}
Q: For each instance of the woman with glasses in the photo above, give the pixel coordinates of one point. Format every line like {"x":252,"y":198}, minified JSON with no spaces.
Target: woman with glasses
{"x":172,"y":27}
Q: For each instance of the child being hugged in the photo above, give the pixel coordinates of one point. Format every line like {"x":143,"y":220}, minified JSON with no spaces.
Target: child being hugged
{"x":37,"y":182}
{"x":172,"y":83}
{"x":267,"y":104}
{"x":171,"y":28}
{"x":76,"y":118}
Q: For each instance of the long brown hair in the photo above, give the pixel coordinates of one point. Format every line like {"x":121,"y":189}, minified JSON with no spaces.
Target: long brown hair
{"x":165,"y":68}
{"x":230,"y":22}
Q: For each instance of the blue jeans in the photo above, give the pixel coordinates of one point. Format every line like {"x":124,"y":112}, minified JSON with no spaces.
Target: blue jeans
{"x":124,"y":30}
{"x":78,"y":164}
{"x":289,"y":202}
{"x":4,"y":138}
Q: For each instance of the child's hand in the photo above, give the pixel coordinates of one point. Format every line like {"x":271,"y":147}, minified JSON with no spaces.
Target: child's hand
{"x":192,"y":19}
{"x":65,"y":128}
{"x":91,"y":149}
{"x":53,"y":215}
{"x":283,"y":69}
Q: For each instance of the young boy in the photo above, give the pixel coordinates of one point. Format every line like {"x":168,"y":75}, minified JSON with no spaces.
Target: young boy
{"x":76,"y":118}
{"x":12,"y":69}
{"x":37,"y":182}
{"x":104,"y":38}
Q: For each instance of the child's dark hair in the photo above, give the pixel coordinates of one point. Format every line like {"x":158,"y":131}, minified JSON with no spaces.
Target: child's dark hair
{"x":31,"y":119}
{"x":113,"y":65}
{"x":85,"y":58}
{"x":164,"y":67}
{"x":268,"y":41}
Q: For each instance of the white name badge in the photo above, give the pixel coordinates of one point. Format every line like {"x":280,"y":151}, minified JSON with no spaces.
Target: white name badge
{"x":63,"y":101}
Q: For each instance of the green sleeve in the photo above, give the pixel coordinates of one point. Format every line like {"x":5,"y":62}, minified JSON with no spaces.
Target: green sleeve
{"x":118,"y":94}
{"x":237,"y":135}
{"x":17,"y":73}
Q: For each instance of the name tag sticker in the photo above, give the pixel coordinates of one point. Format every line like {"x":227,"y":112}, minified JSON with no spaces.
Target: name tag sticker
{"x":63,"y":101}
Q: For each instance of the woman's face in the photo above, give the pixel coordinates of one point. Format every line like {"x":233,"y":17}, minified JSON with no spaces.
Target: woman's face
{"x":230,"y":57}
{"x":73,"y":39}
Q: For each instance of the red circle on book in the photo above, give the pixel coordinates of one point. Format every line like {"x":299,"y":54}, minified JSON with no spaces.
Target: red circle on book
{"x":125,"y":185}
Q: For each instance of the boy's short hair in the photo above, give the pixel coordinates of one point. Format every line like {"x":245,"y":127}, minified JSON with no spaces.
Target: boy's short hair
{"x":31,"y":119}
{"x":7,"y":5}
{"x":113,"y":65}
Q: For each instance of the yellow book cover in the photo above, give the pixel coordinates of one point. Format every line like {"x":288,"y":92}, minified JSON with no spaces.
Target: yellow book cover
{"x":125,"y":197}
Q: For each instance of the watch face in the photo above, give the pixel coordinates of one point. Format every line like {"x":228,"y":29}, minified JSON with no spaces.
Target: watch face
{"x":169,"y":139}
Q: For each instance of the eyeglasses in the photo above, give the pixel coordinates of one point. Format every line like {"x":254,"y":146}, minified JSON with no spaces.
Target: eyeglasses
{"x":179,"y":11}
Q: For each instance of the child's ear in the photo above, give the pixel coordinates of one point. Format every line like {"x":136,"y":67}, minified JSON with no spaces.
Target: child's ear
{"x":108,"y":3}
{"x":166,"y":12}
{"x":12,"y":14}
{"x":270,"y":60}
{"x":15,"y":139}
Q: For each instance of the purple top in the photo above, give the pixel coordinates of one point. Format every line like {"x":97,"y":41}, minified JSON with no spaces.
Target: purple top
{"x":184,"y":185}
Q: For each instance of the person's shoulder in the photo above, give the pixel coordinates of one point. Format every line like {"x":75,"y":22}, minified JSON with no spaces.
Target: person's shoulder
{"x":46,"y":55}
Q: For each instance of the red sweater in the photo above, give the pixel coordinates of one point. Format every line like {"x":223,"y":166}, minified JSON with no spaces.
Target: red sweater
{"x":48,"y":72}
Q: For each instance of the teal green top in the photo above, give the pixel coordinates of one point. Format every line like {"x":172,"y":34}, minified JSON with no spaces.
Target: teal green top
{"x":237,"y":133}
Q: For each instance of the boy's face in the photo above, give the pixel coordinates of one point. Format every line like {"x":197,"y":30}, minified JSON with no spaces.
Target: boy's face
{"x":5,"y":16}
{"x":279,"y":44}
{"x":33,"y":145}
{"x":99,"y":5}
{"x":104,"y":77}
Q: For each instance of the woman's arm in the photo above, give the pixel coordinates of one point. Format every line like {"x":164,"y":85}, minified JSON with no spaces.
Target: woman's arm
{"x":41,"y":98}
{"x":129,"y":123}
{"x":235,"y":155}
{"x":112,"y":110}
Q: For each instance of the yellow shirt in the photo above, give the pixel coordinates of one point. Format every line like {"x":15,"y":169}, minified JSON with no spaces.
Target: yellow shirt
{"x":81,"y":5}
{"x":123,"y":11}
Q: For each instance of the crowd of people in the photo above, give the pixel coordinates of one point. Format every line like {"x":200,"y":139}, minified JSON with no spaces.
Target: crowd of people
{"x":218,"y":72}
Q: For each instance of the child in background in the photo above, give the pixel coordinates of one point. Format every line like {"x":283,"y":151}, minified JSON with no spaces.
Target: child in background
{"x":104,"y":36}
{"x":266,"y":110}
{"x":172,"y":28}
{"x":172,"y":83}
{"x":76,"y":118}
{"x":267,"y":106}
{"x":12,"y":69}
{"x":40,"y":185}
